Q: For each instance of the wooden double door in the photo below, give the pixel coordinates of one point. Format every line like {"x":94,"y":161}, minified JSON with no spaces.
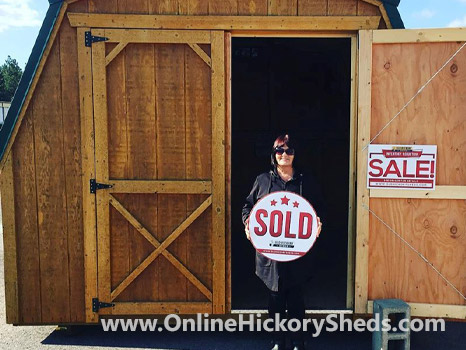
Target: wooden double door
{"x":158,"y":113}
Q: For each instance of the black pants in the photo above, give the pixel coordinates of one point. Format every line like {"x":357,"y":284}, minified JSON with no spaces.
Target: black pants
{"x":292,"y":300}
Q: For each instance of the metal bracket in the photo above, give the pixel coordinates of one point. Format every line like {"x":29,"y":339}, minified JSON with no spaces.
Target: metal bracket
{"x":97,"y":305}
{"x":94,"y":186}
{"x":89,"y":39}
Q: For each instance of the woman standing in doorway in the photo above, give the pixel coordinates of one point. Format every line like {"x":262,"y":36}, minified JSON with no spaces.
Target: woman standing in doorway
{"x":283,"y":279}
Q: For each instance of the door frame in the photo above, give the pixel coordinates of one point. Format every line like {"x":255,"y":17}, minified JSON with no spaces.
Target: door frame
{"x":351,"y":247}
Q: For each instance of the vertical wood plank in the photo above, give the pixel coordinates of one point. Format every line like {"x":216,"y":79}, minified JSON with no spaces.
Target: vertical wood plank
{"x":165,"y":7}
{"x":106,"y":6}
{"x":252,"y":7}
{"x":224,"y":7}
{"x":366,"y":9}
{"x":342,"y":7}
{"x":73,"y":170}
{"x":88,"y":172}
{"x":9,"y":242}
{"x":312,"y":7}
{"x":362,"y":215}
{"x":352,"y":176}
{"x":283,"y":7}
{"x":198,"y":7}
{"x":135,"y":6}
{"x":228,"y":138}
{"x":101,"y":167}
{"x":51,"y":196}
{"x":218,"y":170}
{"x":26,"y":220}
{"x":198,"y":166}
{"x":171,"y":161}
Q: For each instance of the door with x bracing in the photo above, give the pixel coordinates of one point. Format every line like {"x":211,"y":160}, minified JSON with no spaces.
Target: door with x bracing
{"x":158,"y":99}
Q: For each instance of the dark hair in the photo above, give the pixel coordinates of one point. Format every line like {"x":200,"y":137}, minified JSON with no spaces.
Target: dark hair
{"x":280,"y":141}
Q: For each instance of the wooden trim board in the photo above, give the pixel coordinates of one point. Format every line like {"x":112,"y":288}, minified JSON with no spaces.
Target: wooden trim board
{"x":87,"y":159}
{"x":387,"y":36}
{"x":362,"y":218}
{"x":430,"y":310}
{"x":224,"y":22}
{"x":441,"y":192}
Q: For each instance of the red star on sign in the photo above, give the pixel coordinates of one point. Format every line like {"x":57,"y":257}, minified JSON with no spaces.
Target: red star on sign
{"x":295,"y":204}
{"x":285,"y":200}
{"x":273,"y":202}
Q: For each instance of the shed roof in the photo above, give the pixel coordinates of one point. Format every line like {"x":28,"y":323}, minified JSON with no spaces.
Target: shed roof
{"x":391,"y":7}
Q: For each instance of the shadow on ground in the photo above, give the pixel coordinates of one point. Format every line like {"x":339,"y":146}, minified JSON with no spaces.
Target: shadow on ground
{"x":95,"y":336}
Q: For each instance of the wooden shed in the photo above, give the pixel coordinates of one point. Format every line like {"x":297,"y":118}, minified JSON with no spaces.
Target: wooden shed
{"x":139,"y":125}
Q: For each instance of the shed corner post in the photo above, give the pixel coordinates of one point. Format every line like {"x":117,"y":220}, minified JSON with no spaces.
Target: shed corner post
{"x":362,"y":199}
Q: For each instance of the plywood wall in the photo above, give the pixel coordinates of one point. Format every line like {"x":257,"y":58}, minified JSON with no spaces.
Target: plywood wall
{"x":436,"y":228}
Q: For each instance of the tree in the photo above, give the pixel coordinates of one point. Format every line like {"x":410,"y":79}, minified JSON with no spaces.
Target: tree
{"x":10,"y":74}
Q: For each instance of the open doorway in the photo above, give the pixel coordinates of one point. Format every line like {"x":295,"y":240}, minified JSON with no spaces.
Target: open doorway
{"x":301,"y":86}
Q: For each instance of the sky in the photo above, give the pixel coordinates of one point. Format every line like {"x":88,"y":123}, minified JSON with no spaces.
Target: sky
{"x":20,"y":21}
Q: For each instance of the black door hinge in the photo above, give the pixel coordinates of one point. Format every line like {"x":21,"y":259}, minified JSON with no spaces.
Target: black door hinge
{"x":94,"y":186}
{"x":89,"y":39}
{"x":97,"y":305}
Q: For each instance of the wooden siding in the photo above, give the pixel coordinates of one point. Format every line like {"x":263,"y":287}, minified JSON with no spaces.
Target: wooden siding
{"x":435,"y":227}
{"x":239,"y":7}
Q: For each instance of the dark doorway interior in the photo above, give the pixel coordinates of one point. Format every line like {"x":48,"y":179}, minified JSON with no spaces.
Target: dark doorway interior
{"x":300,"y":86}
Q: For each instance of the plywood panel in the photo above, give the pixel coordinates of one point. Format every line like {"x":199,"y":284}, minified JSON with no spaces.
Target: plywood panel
{"x":312,"y":7}
{"x":165,"y":7}
{"x":135,"y":6}
{"x":198,"y":166}
{"x":171,"y":160}
{"x":342,"y":7}
{"x":283,"y":7}
{"x":24,"y":173}
{"x":252,"y":7}
{"x":51,"y":192}
{"x":436,"y":229}
{"x":436,"y":115}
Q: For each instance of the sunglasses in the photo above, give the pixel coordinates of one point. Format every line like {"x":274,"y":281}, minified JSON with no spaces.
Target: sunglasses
{"x":281,"y":150}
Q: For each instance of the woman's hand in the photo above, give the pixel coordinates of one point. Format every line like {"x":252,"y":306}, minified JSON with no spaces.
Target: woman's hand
{"x":246,"y":230}
{"x":319,"y":226}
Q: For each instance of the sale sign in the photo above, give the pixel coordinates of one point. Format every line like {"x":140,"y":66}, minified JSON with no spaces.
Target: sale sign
{"x":402,"y":166}
{"x":283,"y":226}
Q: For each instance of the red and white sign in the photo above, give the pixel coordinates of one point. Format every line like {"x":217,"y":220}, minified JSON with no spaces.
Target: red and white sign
{"x":402,"y":166}
{"x":283,"y":226}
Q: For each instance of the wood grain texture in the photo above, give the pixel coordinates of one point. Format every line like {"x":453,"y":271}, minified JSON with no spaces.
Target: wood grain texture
{"x":88,"y":172}
{"x":362,"y":199}
{"x":252,"y":7}
{"x":224,"y":7}
{"x":437,"y":231}
{"x":51,"y":192}
{"x":282,"y":7}
{"x":10,"y":261}
{"x":436,"y":116}
{"x":367,"y":9}
{"x":171,"y":160}
{"x":198,"y":166}
{"x":342,"y":7}
{"x":73,"y":169}
{"x":26,"y":222}
{"x":312,"y":7}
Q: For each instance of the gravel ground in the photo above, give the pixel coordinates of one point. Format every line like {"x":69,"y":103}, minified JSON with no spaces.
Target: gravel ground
{"x":93,"y":337}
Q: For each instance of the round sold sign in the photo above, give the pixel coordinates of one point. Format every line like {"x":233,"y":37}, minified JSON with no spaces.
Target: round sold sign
{"x":283,"y":226}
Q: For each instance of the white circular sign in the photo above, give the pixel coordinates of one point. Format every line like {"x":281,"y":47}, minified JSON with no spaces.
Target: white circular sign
{"x":283,"y":226}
